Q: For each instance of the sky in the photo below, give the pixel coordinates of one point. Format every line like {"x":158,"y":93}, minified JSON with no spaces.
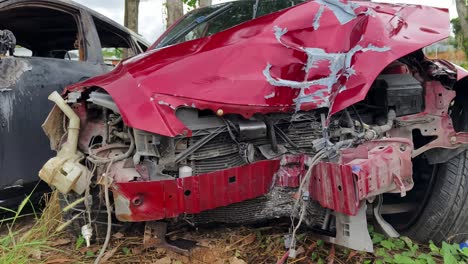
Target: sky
{"x":152,"y":12}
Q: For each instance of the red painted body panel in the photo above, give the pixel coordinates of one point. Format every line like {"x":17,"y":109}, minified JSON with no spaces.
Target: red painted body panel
{"x":170,"y":198}
{"x":371,"y":169}
{"x":226,"y":70}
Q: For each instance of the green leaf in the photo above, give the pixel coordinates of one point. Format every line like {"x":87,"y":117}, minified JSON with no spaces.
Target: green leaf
{"x":367,"y":261}
{"x":388,"y":244}
{"x":428,"y":258}
{"x":408,"y":254}
{"x":300,"y":237}
{"x":346,"y":251}
{"x":126,"y":251}
{"x":381,"y":252}
{"x":376,"y":238}
{"x":400,"y":259}
{"x":449,"y":258}
{"x":79,"y":242}
{"x":452,"y":249}
{"x":465,"y":252}
{"x":320,"y":261}
{"x":449,"y":252}
{"x":433,"y":247}
{"x":314,"y":256}
{"x":320,"y":243}
{"x":89,"y":253}
{"x":379,"y":261}
{"x":398,"y":244}
{"x":409,"y":243}
{"x":7,"y":210}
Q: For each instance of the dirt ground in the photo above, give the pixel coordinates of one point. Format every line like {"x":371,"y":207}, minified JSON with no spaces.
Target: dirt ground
{"x":218,"y":245}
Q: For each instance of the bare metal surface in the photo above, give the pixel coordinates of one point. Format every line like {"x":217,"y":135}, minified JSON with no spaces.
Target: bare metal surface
{"x":384,"y":225}
{"x":351,"y":231}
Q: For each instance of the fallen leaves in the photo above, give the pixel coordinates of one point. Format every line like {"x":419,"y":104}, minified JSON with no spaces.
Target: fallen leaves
{"x":109,"y":254}
{"x":165,"y":260}
{"x":60,"y":242}
{"x":331,"y":256}
{"x":246,"y":240}
{"x":60,"y":261}
{"x":118,"y":235}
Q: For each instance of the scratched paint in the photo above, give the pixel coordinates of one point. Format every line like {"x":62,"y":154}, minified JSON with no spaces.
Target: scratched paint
{"x":11,"y":70}
{"x":340,"y":64}
{"x":343,"y":11}
{"x":241,"y":88}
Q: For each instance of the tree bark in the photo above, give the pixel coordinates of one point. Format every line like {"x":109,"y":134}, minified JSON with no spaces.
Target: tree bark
{"x":130,"y":21}
{"x":175,"y":10}
{"x":204,"y":3}
{"x":462,"y":10}
{"x":131,"y":14}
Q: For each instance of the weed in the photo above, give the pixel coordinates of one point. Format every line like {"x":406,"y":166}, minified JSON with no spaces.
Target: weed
{"x":25,"y":246}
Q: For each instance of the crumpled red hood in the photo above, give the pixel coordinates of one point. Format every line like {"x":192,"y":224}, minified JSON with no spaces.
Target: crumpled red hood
{"x":323,"y":53}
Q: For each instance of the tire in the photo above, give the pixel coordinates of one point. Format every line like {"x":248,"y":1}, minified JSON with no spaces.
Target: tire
{"x":445,"y":216}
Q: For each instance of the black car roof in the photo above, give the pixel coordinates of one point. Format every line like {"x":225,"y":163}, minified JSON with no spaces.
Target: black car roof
{"x":77,"y":7}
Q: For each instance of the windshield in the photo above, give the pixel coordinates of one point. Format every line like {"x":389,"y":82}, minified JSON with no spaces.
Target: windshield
{"x":207,"y":21}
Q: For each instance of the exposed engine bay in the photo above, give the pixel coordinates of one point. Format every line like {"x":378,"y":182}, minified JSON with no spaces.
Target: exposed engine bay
{"x":224,"y":141}
{"x":230,"y":169}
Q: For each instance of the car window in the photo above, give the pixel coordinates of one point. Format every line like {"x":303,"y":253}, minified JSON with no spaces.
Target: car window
{"x":42,"y":31}
{"x":115,"y":43}
{"x":71,"y":55}
{"x":143,"y":47}
{"x":22,"y":52}
{"x":230,"y":15}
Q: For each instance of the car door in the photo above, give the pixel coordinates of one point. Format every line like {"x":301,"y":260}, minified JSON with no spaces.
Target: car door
{"x":59,"y":46}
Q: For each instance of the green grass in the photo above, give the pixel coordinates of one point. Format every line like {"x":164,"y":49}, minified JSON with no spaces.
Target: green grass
{"x":464,"y":65}
{"x":20,"y":246}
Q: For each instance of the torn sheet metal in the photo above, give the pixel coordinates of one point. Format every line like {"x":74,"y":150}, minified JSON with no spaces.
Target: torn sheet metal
{"x":323,"y":53}
{"x":369,"y":170}
{"x":149,"y":201}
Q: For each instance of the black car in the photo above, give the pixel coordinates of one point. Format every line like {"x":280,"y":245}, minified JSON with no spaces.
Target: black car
{"x":46,"y":45}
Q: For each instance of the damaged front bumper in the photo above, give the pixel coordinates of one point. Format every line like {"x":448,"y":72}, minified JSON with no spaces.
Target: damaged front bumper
{"x":362,"y":173}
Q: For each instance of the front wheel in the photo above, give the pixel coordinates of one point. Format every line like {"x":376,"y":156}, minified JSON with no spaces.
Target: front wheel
{"x":445,"y":214}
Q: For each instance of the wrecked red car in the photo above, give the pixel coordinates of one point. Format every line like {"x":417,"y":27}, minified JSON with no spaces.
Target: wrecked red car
{"x":327,"y":111}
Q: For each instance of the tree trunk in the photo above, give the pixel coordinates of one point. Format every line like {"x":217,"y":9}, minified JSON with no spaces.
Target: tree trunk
{"x":130,"y":21}
{"x":204,"y":3}
{"x":462,"y":10}
{"x":131,"y":14}
{"x":175,"y":10}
